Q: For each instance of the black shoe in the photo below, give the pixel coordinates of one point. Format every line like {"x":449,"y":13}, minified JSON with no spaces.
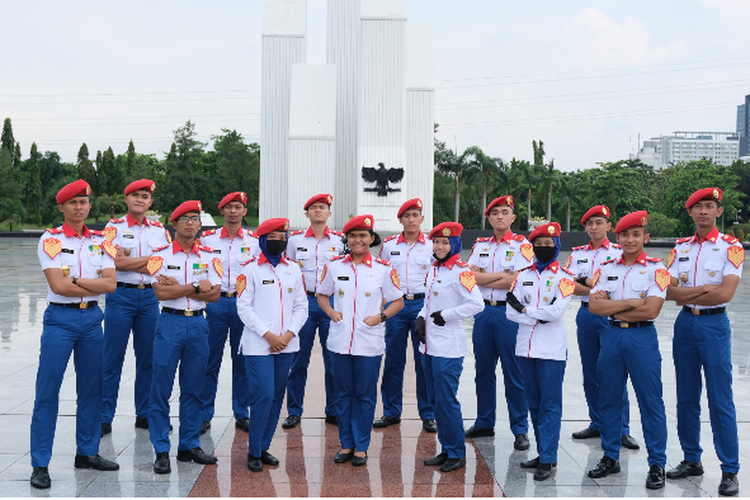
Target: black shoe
{"x":342,"y":458}
{"x":452,"y":464}
{"x":106,"y":429}
{"x":268,"y":459}
{"x":242,"y":424}
{"x":475,"y":432}
{"x":429,"y":425}
{"x":544,"y":471}
{"x":586,"y":433}
{"x":204,"y":427}
{"x":359,"y":461}
{"x":605,"y":467}
{"x":534,"y":464}
{"x":161,"y":465}
{"x":522,"y":442}
{"x":196,"y":455}
{"x":332,"y":419}
{"x":655,"y":478}
{"x":254,"y":463}
{"x":385,"y":421}
{"x":40,"y":478}
{"x":291,"y":422}
{"x":686,"y":469}
{"x":437,"y":459}
{"x":629,"y":442}
{"x":94,"y":462}
{"x":730,"y":485}
{"x":141,"y":423}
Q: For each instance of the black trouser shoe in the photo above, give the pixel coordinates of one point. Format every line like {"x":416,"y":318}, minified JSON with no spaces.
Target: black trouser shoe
{"x":161,"y":465}
{"x":40,"y":478}
{"x":254,"y":463}
{"x":332,"y":419}
{"x":533,"y":464}
{"x":242,"y":424}
{"x":291,"y":422}
{"x":655,"y":478}
{"x":106,"y":428}
{"x":359,"y":461}
{"x":522,"y":442}
{"x":686,"y":469}
{"x":605,"y":467}
{"x":586,"y":433}
{"x":429,"y":425}
{"x":342,"y":458}
{"x":452,"y":464}
{"x":475,"y":431}
{"x":141,"y":423}
{"x":204,"y":427}
{"x":385,"y":421}
{"x":729,"y":485}
{"x":629,"y":442}
{"x":94,"y":462}
{"x":437,"y":459}
{"x":268,"y":459}
{"x":196,"y":455}
{"x":544,"y":471}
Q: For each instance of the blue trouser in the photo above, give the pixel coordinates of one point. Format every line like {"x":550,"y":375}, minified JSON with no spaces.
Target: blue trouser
{"x":633,"y":351}
{"x":494,"y":338}
{"x":704,"y":342}
{"x":267,"y":376}
{"x":222,"y":317}
{"x":397,"y":331}
{"x":68,"y":330}
{"x":590,"y":328}
{"x":316,"y":320}
{"x":183,"y":340}
{"x":543,"y":380}
{"x":128,"y":309}
{"x":442,"y":376}
{"x":356,"y":386}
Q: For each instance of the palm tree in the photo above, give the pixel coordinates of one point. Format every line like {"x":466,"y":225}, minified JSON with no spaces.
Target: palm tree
{"x":565,"y":189}
{"x":528,"y":176}
{"x":550,"y":177}
{"x":455,"y":166}
{"x":486,"y":168}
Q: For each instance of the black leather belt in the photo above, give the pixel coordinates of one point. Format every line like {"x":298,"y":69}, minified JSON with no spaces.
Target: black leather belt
{"x":630,"y":324}
{"x":229,"y":294}
{"x":585,"y":305}
{"x":139,"y":286}
{"x":312,"y":294}
{"x":413,"y":296}
{"x":75,"y":305}
{"x":704,"y":312}
{"x":495,"y":302}
{"x":182,"y":312}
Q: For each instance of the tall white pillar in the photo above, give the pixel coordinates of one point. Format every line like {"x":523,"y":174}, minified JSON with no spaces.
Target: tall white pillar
{"x":420,"y":117}
{"x":284,"y":44}
{"x":312,"y":138}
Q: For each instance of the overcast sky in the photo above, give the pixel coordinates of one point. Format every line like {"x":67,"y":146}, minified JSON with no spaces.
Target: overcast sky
{"x":586,"y":77}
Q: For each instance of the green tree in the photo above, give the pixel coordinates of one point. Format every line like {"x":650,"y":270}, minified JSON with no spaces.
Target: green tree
{"x":54,"y":174}
{"x":183,"y":165}
{"x":455,"y":167}
{"x":7,"y":142}
{"x":110,"y":204}
{"x":527,"y":176}
{"x":130,"y":160}
{"x":85,"y":168}
{"x":236,"y":168}
{"x":34,"y":191}
{"x":111,"y":174}
{"x":11,"y":191}
{"x":486,"y":170}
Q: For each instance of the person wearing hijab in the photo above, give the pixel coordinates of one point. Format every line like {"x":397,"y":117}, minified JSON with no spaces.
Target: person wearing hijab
{"x":452,"y":296}
{"x":271,"y":303}
{"x":537,"y":302}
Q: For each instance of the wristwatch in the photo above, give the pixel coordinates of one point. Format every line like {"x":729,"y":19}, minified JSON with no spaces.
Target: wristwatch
{"x":196,"y":286}
{"x":383,"y":317}
{"x":75,"y":280}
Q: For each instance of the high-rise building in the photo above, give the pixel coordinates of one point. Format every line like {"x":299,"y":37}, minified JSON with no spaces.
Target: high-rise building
{"x":721,"y":148}
{"x":743,"y":126}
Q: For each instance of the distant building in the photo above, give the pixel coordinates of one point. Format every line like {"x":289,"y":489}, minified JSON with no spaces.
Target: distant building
{"x":721,"y":148}
{"x":743,"y":126}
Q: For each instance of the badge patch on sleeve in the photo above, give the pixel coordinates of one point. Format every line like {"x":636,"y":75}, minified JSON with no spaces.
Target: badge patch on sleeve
{"x":663,"y":278}
{"x":240,"y":284}
{"x":527,"y":251}
{"x":110,"y":249}
{"x":110,"y":232}
{"x":218,"y":267}
{"x":468,"y":280}
{"x":595,"y":278}
{"x":53,"y":247}
{"x":670,"y":259}
{"x":395,"y":279}
{"x":736,"y":255}
{"x":567,"y":287}
{"x":154,"y":264}
{"x":567,"y":263}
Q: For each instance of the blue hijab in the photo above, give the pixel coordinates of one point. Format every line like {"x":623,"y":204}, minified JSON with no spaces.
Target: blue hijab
{"x":273,"y":259}
{"x":456,"y":247}
{"x":541,"y":265}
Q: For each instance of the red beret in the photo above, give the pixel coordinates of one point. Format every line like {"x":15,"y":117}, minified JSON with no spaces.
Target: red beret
{"x":183,"y":208}
{"x":502,"y":200}
{"x":272,"y":225}
{"x":360,"y":222}
{"x":634,"y":219}
{"x":408,"y":205}
{"x":446,"y":229}
{"x":142,"y":184}
{"x":597,"y":211}
{"x":320,"y":198}
{"x":77,"y":188}
{"x":548,"y":229}
{"x":236,"y":196}
{"x":713,"y":194}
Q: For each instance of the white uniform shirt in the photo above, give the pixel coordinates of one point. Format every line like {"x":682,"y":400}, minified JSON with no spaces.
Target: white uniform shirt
{"x":697,"y":262}
{"x":545,"y":295}
{"x":358,"y":292}
{"x":411,"y":262}
{"x":270,"y":299}
{"x":313,"y":255}
{"x":584,"y":261}
{"x":232,"y":253}
{"x":136,"y":241}
{"x":79,"y":257}
{"x":452,"y":290}
{"x":198,"y":265}
{"x":512,"y":253}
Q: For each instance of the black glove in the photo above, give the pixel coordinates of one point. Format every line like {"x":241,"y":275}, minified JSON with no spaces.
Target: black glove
{"x":437,"y":318}
{"x":553,"y":300}
{"x":582,"y":280}
{"x":514,"y":302}
{"x":419,"y":330}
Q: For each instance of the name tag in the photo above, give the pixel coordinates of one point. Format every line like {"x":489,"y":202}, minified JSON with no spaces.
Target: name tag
{"x":217,"y":250}
{"x":395,"y":252}
{"x":683,"y":259}
{"x":343,"y":278}
{"x":68,"y":250}
{"x":612,"y":278}
{"x":528,"y":283}
{"x":583,"y":261}
{"x":174,"y":267}
{"x":484,"y":255}
{"x":128,"y":236}
{"x":301,"y":249}
{"x":268,"y":282}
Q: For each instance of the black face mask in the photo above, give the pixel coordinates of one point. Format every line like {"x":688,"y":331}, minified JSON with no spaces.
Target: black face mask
{"x":544,"y":254}
{"x":275,"y":247}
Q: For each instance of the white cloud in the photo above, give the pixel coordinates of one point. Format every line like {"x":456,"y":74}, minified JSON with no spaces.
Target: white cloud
{"x":734,"y":11}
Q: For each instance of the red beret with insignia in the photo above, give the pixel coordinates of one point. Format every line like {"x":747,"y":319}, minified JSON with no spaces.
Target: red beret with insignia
{"x":320,"y":198}
{"x":501,"y":200}
{"x":240,"y":196}
{"x":634,"y":219}
{"x":270,"y":225}
{"x":713,"y":194}
{"x":360,"y":222}
{"x":183,"y":208}
{"x":77,"y":188}
{"x":597,"y":211}
{"x":141,"y":184}
{"x":446,"y":229}
{"x":408,"y":205}
{"x":549,"y":229}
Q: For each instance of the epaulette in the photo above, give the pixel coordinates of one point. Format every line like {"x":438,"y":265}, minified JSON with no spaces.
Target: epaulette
{"x":461,"y":263}
{"x":608,"y":262}
{"x":617,"y":245}
{"x":160,"y":248}
{"x":338,"y":257}
{"x":337,"y":233}
{"x":729,"y":239}
{"x":208,"y":232}
{"x":578,"y":248}
{"x":116,"y":221}
{"x":95,"y":232}
{"x":527,"y":268}
{"x":295,"y":233}
{"x":653,"y":259}
{"x":54,"y":230}
{"x":251,"y":233}
{"x":485,"y":238}
{"x":155,"y":223}
{"x":518,"y":237}
{"x":247,"y":261}
{"x":287,"y":259}
{"x":206,"y":249}
{"x":562,"y":268}
{"x":683,"y":240}
{"x":382,"y":261}
{"x":390,"y":238}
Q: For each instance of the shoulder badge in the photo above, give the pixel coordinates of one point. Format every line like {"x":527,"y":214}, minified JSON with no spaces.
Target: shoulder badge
{"x":578,"y":248}
{"x":110,"y":232}
{"x":394,"y":278}
{"x":595,"y":277}
{"x":110,"y":249}
{"x":518,"y":237}
{"x":169,"y":236}
{"x":208,"y":232}
{"x":251,"y":234}
{"x":324,"y":272}
{"x":206,"y":249}
{"x":54,"y":230}
{"x":527,"y":251}
{"x":393,"y":237}
{"x":570,"y":259}
{"x":607,"y":262}
{"x":484,"y":238}
{"x":240,"y":283}
{"x":383,"y":261}
{"x":248,"y":261}
{"x":468,"y":280}
{"x":663,"y":278}
{"x":116,"y":221}
{"x":337,"y":233}
{"x":338,"y":257}
{"x":567,"y":287}
{"x":670,"y":259}
{"x":654,"y":259}
{"x":736,"y":255}
{"x":155,"y":223}
{"x":461,"y":263}
{"x":161,"y":248}
{"x":154,"y":264}
{"x":52,"y":247}
{"x":683,"y":240}
{"x":729,"y":239}
{"x":295,"y":233}
{"x":95,"y":232}
{"x":218,"y":267}
{"x":617,"y":245}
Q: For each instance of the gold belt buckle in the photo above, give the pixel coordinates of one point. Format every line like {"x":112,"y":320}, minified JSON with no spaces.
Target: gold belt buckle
{"x":409,"y":296}
{"x":493,"y":302}
{"x":141,"y":286}
{"x":229,"y":294}
{"x":188,"y":313}
{"x":84,"y":305}
{"x":696,"y":311}
{"x":624,"y":324}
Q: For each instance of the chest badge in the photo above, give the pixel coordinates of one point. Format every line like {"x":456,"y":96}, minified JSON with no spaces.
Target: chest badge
{"x":65,"y":270}
{"x":643,"y":295}
{"x":341,"y":292}
{"x":712,"y":273}
{"x":684,"y":277}
{"x":642,"y":271}
{"x":127,"y":251}
{"x":290,"y":290}
{"x":367,"y":294}
{"x":435,"y":294}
